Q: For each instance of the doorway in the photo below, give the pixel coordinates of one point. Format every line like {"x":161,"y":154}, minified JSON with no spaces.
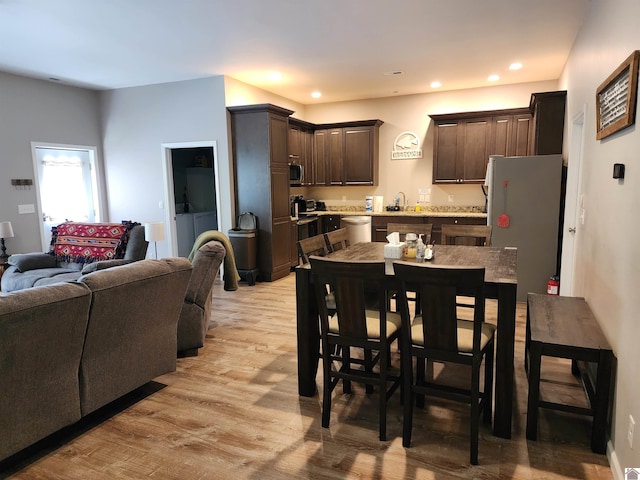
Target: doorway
{"x":191,"y":193}
{"x":573,"y":214}
{"x":67,"y":186}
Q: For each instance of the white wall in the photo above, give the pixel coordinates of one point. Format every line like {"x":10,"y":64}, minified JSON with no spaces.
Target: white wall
{"x":411,"y":113}
{"x":608,"y":263}
{"x":36,"y":110}
{"x":137,"y":121}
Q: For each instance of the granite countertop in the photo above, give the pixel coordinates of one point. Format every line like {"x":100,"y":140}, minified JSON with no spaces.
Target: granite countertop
{"x":431,"y":211}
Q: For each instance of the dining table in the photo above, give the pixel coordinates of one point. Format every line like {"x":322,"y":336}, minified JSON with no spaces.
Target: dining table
{"x":500,"y":282}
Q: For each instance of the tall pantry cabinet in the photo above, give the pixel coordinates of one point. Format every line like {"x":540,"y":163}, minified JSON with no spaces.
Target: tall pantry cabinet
{"x":260,"y":158}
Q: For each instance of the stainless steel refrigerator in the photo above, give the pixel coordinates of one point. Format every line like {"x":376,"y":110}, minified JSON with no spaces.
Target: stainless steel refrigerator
{"x":523,"y":208}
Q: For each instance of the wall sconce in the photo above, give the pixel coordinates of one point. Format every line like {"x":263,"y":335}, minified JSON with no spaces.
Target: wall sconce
{"x":6,"y":231}
{"x":154,"y":232}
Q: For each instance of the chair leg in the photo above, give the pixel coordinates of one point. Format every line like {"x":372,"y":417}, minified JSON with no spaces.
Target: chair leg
{"x":420,"y":380}
{"x":326,"y":392}
{"x":368,"y":367}
{"x":488,"y":383}
{"x":382,"y":390}
{"x":346,"y":364}
{"x":409,"y":397}
{"x":475,"y":414}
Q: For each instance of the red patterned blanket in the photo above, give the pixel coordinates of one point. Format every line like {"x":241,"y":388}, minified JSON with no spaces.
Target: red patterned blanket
{"x":89,"y":242}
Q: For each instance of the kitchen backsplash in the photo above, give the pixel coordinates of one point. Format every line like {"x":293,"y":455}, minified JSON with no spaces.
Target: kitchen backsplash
{"x":411,"y":208}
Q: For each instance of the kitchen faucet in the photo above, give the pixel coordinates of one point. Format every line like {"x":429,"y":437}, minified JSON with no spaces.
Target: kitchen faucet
{"x":404,"y":199}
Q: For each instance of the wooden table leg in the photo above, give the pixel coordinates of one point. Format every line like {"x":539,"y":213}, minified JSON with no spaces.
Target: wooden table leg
{"x":601,"y":404}
{"x":504,"y":360}
{"x":535,"y":358}
{"x":308,"y":333}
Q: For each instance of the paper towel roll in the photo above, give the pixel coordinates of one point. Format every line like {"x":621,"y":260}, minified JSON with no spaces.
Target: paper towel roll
{"x":378,"y":203}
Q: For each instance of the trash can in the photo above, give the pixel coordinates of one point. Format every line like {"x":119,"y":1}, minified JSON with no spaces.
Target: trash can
{"x":358,"y":228}
{"x":244,"y":240}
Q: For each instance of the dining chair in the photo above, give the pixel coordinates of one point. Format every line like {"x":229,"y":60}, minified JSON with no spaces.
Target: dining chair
{"x":417,"y":228}
{"x":315,"y":245}
{"x":479,"y":235}
{"x":404,"y":228}
{"x":439,"y":335}
{"x":354,"y":326}
{"x":337,"y":239}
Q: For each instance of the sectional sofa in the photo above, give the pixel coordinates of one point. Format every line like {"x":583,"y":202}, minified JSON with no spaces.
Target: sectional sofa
{"x":70,"y":348}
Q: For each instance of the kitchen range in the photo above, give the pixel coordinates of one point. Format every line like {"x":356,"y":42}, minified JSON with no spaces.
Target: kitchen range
{"x":303,"y":212}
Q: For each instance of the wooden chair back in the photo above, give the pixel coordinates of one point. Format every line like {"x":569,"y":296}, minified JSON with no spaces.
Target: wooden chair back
{"x":337,"y":240}
{"x":315,"y":245}
{"x":479,"y":235}
{"x":351,"y":283}
{"x":417,"y":228}
{"x":437,"y":288}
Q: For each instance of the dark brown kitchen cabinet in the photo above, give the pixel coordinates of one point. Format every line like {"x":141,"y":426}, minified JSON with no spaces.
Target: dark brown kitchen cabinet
{"x":301,"y":148}
{"x":346,"y":153}
{"x":547,"y":109}
{"x":464,"y":141}
{"x":510,"y":134}
{"x":259,"y":136}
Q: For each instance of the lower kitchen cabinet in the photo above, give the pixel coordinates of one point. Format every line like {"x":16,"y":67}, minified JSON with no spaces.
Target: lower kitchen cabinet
{"x":330,"y":223}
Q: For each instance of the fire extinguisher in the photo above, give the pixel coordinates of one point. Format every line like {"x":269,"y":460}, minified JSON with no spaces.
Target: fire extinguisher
{"x":553,"y":285}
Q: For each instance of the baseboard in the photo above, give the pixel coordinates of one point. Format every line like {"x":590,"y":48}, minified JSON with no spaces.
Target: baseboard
{"x":618,"y":473}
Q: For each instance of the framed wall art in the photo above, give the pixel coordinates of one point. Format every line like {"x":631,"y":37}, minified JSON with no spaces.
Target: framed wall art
{"x":616,"y":98}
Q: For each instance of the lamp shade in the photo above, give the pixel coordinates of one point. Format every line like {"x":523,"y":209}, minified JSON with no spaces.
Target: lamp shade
{"x":154,"y":231}
{"x":6,"y":230}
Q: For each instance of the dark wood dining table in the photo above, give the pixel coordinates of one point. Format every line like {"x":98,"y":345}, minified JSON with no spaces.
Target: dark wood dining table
{"x":500,"y":283}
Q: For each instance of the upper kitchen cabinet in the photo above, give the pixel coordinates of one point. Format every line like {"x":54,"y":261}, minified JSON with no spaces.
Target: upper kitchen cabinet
{"x":548,"y":122}
{"x":346,"y":153}
{"x":464,"y":141}
{"x":259,"y":135}
{"x":461,"y":147}
{"x":301,"y":148}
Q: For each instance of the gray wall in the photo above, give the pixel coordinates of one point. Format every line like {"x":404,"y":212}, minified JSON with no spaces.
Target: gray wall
{"x":608,"y":264}
{"x":137,"y":121}
{"x":35,"y":110}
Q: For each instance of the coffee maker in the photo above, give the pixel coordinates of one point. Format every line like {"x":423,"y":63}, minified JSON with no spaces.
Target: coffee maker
{"x":298,"y":205}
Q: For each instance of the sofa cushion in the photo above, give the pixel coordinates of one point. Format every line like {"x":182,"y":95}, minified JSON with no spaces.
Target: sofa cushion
{"x":95,"y":266}
{"x":32,"y":261}
{"x":90,"y":242}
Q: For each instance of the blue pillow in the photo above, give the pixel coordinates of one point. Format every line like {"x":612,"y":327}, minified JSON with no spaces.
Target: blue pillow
{"x":32,"y":261}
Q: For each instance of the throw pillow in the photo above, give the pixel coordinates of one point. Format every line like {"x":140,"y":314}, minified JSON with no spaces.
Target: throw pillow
{"x":32,"y":261}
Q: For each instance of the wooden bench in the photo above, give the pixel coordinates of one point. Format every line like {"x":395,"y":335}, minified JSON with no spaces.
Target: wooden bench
{"x":565,"y":327}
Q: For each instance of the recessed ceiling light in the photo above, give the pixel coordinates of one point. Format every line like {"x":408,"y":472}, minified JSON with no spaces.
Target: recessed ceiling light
{"x":316,"y":94}
{"x":394,"y":72}
{"x":515,"y":66}
{"x":493,"y":78}
{"x":436,"y":84}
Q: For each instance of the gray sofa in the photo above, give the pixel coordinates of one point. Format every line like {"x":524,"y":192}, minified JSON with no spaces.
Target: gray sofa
{"x":68,"y":349}
{"x":196,"y":311}
{"x":37,"y":269}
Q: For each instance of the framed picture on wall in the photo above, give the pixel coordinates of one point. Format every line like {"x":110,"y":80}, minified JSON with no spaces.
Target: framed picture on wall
{"x":616,"y":98}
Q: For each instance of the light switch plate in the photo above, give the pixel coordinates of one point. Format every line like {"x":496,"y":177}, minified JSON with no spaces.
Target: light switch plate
{"x":27,"y":208}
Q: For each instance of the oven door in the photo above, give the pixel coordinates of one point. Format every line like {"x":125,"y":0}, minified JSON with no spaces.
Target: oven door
{"x":307,"y":227}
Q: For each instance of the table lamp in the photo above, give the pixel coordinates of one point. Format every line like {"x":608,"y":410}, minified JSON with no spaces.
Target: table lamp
{"x":154,"y":232}
{"x":6,"y":231}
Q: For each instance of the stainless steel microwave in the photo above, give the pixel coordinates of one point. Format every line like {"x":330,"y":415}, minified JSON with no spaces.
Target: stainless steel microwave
{"x":296,"y":174}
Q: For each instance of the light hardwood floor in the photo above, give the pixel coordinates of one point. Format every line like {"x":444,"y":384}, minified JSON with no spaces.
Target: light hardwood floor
{"x":234,"y":412}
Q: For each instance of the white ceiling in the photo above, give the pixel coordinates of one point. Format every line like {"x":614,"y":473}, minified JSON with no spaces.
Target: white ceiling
{"x":341,"y":47}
